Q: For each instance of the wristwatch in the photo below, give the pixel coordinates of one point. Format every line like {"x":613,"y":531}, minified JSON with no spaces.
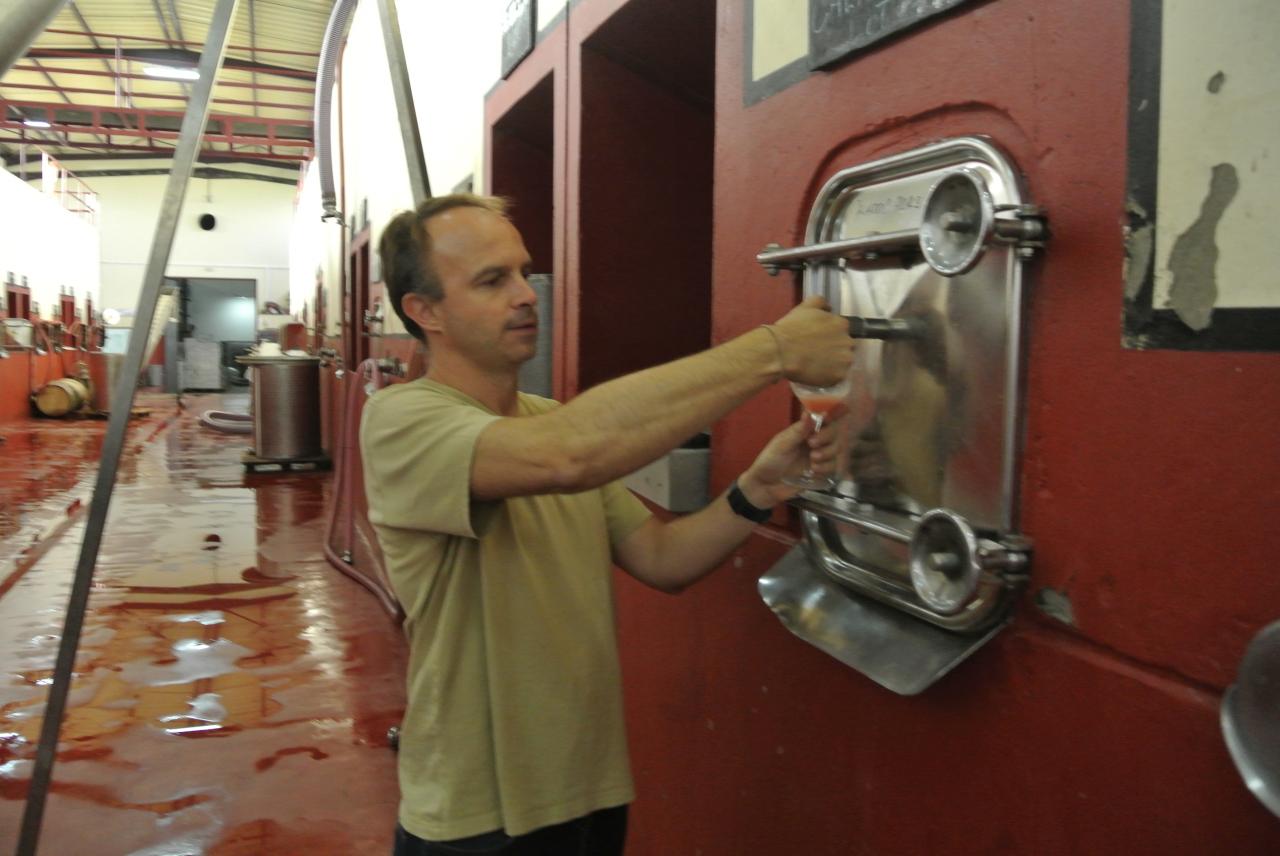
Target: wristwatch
{"x":743,"y":508}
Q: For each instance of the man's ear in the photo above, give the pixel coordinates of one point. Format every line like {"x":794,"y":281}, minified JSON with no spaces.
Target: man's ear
{"x":422,"y":311}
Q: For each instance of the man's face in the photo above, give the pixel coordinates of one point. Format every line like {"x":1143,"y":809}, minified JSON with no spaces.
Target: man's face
{"x":489,"y":311}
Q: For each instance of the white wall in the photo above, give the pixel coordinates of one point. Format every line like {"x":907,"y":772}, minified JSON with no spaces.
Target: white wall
{"x":547,"y":11}
{"x":250,"y":240}
{"x":41,"y":240}
{"x":453,"y":52}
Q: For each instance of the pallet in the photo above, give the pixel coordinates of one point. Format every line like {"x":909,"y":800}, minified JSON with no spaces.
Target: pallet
{"x":254,"y":464}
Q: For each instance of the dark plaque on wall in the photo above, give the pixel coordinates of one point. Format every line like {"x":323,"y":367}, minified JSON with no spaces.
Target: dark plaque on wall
{"x":837,"y":28}
{"x":519,"y":25}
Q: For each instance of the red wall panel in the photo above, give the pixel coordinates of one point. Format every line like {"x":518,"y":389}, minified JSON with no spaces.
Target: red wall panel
{"x":1149,"y":482}
{"x":25,"y":371}
{"x":644,"y":199}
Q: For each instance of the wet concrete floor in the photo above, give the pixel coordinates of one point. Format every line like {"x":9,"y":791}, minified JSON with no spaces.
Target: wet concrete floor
{"x":232,"y":691}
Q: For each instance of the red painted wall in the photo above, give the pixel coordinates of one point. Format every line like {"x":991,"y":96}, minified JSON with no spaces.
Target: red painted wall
{"x":25,"y":371}
{"x":1149,"y":484}
{"x":522,"y":167}
{"x":1150,"y":480}
{"x":644,"y":196}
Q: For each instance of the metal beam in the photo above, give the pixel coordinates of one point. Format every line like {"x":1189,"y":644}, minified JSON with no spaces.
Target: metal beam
{"x":164,"y":24}
{"x":155,"y":124}
{"x":93,"y":40}
{"x":90,"y":73}
{"x":206,"y":155}
{"x":155,"y":4}
{"x":122,"y":404}
{"x":200,"y":172}
{"x":180,"y":57}
{"x":58,"y":89}
{"x":177,"y":22}
{"x":253,"y":50}
{"x":152,"y":39}
{"x":21,"y":22}
{"x":159,"y":96}
{"x":410,"y":136}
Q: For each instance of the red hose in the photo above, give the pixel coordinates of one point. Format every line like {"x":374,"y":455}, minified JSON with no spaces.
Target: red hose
{"x":346,"y":455}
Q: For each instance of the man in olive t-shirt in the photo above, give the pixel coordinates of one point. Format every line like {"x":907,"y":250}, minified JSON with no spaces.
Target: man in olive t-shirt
{"x":500,"y":516}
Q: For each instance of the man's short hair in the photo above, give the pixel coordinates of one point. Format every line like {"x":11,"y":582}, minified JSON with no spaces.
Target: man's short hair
{"x":405,"y":249}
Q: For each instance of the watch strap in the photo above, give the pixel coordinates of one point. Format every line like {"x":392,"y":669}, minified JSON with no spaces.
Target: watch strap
{"x":743,"y":508}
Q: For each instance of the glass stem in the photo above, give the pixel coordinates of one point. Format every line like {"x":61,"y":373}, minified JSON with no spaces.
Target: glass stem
{"x":817,"y":426}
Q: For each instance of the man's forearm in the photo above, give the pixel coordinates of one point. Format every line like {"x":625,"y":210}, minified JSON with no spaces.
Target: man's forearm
{"x":619,"y":426}
{"x":685,"y":550}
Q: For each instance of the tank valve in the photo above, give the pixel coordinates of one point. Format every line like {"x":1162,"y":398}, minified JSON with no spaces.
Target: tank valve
{"x":884,"y":328}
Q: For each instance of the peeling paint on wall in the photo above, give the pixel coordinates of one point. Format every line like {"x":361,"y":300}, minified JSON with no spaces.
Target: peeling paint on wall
{"x":1056,"y":605}
{"x":1194,"y":258}
{"x":1140,"y":241}
{"x":1204,"y":107}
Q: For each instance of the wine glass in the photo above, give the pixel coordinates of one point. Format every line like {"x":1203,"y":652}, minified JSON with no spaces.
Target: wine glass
{"x":818,"y":402}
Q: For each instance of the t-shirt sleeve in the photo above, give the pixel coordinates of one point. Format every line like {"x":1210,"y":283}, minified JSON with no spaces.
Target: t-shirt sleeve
{"x":417,"y":449}
{"x":624,"y":512}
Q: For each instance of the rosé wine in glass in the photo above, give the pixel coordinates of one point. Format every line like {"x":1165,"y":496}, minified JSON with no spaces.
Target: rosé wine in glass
{"x":818,"y":402}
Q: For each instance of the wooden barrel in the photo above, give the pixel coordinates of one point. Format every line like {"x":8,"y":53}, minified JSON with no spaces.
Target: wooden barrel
{"x":63,"y":396}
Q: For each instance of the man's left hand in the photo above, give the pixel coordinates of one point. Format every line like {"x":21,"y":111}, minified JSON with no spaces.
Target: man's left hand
{"x":787,"y":454}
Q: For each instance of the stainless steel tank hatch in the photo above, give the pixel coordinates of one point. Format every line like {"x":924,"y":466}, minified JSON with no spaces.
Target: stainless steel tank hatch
{"x":911,"y":562}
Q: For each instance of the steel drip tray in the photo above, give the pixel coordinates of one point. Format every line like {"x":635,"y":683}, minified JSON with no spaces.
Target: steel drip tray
{"x":899,"y":653}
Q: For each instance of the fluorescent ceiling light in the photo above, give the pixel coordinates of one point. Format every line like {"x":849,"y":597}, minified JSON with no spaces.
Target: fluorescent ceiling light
{"x":36,"y":123}
{"x":171,"y":73}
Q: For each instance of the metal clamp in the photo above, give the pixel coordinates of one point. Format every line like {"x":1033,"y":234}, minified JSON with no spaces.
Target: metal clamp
{"x":960,"y":219}
{"x":949,"y":561}
{"x":775,"y":258}
{"x":885,"y":328}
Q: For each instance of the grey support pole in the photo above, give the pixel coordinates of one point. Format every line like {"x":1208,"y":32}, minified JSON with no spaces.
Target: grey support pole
{"x":193,"y":124}
{"x":21,"y":21}
{"x":419,"y":182}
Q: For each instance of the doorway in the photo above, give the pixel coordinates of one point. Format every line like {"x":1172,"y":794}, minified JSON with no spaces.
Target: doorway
{"x":219,"y":321}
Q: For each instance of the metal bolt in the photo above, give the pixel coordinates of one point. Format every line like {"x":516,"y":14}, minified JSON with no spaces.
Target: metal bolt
{"x":954,"y":221}
{"x":944,"y":563}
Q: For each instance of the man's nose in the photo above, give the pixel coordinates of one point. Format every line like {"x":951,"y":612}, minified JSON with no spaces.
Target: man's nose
{"x":525,"y":295}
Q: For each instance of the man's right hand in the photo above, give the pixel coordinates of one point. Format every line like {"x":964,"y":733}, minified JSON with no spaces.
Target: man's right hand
{"x":815,"y":345}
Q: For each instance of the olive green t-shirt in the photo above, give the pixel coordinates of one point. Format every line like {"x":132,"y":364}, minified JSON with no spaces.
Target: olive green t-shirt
{"x":514,"y":716}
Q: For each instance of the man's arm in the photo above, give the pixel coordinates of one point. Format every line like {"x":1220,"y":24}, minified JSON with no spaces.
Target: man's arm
{"x":671,"y":556}
{"x":619,"y":426}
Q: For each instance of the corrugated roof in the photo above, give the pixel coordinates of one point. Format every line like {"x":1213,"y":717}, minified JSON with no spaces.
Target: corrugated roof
{"x":86,"y":76}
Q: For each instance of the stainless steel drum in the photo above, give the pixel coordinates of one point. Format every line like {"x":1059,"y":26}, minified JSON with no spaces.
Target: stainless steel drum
{"x":104,"y":374}
{"x":286,"y":406}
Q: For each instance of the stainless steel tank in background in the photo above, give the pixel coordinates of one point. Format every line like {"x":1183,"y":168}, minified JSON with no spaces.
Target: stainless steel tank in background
{"x":286,"y":406}
{"x":104,"y":373}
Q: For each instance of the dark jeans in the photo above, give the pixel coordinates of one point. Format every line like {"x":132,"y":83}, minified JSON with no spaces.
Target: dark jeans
{"x":601,"y":833}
